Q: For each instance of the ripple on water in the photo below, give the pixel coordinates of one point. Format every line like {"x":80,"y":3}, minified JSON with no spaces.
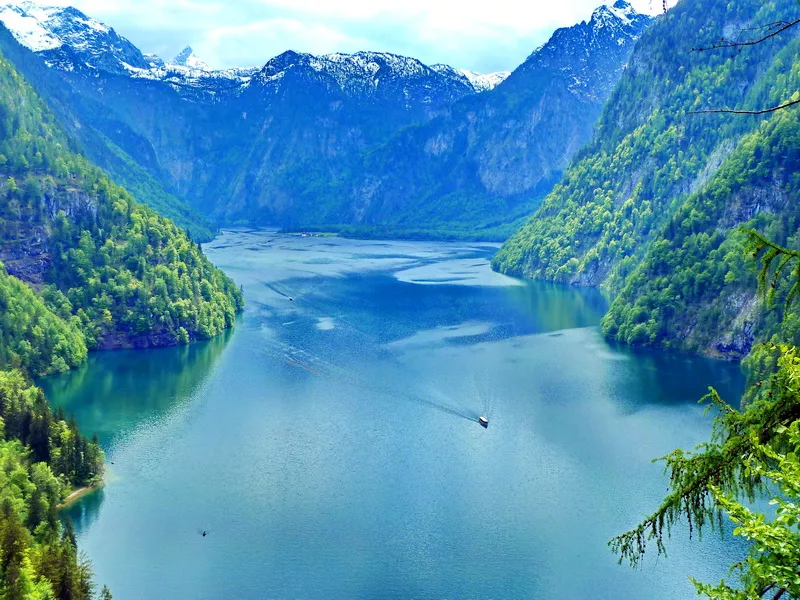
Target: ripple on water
{"x":324,"y":443}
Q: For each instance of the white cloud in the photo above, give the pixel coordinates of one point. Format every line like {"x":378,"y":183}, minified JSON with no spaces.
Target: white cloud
{"x":257,"y":39}
{"x":482,"y":35}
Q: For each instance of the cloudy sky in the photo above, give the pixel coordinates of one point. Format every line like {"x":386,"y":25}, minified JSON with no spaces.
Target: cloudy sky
{"x":482,"y":35}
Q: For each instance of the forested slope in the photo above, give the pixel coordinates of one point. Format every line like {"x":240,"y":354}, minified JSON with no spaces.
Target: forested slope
{"x":694,"y":288}
{"x":650,"y":209}
{"x":32,"y":336}
{"x":78,"y":115}
{"x":83,"y":266}
{"x":42,"y":458}
{"x":130,"y":276}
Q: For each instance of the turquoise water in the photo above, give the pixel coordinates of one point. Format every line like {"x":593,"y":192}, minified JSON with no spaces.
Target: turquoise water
{"x":328,"y":444}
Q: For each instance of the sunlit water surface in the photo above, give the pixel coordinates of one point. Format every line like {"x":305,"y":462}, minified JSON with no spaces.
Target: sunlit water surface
{"x":328,"y":444}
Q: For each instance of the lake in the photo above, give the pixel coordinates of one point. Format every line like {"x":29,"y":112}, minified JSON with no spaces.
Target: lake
{"x":329,"y":447}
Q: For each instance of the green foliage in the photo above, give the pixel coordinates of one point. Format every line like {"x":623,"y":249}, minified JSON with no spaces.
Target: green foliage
{"x":42,"y":458}
{"x":771,"y":566}
{"x":51,"y":439}
{"x":651,"y":209}
{"x":135,"y":277}
{"x":696,"y":279}
{"x":775,"y":260}
{"x":751,"y":452}
{"x":32,"y":336}
{"x":129,"y":275}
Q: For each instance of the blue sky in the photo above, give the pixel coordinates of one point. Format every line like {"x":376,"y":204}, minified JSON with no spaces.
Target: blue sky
{"x":485,"y":35}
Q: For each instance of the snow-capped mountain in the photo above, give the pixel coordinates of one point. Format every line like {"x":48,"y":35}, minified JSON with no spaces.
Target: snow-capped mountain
{"x":507,"y":146}
{"x":363,"y":140}
{"x":368,"y":74}
{"x":483,"y":82}
{"x":588,"y":53}
{"x":68,"y":40}
{"x":477,"y":81}
{"x":187,"y":58}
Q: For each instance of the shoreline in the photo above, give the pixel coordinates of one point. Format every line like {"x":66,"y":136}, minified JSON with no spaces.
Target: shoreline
{"x":78,"y":494}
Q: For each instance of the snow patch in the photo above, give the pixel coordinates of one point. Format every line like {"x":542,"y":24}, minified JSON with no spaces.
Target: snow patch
{"x":187,"y":58}
{"x":484,"y":82}
{"x":27,"y":28}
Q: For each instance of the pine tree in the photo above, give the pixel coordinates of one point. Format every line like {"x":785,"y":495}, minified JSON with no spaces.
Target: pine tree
{"x":68,"y":534}
{"x":751,"y":452}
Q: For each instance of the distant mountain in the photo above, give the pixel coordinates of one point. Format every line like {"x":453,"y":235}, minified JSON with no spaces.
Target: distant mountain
{"x":339,"y":140}
{"x":487,"y":161}
{"x":67,"y":39}
{"x":484,"y":82}
{"x":479,"y":82}
{"x":187,"y":58}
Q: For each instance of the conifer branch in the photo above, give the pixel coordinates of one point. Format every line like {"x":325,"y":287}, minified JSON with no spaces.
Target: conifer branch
{"x":763,"y":111}
{"x":780,"y":25}
{"x":718,"y":465}
{"x":771,"y":252}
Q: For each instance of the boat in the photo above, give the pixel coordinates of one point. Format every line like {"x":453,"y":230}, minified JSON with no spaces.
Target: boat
{"x":484,"y":422}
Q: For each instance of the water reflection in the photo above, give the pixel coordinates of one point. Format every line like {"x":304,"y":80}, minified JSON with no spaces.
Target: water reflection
{"x":85,"y":513}
{"x":550,"y":307}
{"x":360,"y":304}
{"x":116,"y":391}
{"x":316,"y":449}
{"x":661,"y":378}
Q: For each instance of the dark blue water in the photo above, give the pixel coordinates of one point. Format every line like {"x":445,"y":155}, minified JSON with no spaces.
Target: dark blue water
{"x":329,"y":444}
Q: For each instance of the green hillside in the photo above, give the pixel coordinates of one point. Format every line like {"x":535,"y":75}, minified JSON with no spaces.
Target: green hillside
{"x":131,"y":276}
{"x":72,"y":112}
{"x":652,"y":206}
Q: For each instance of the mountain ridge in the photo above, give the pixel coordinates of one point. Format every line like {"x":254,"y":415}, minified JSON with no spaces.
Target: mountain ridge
{"x":359,"y":143}
{"x":67,"y":39}
{"x":498,"y":153}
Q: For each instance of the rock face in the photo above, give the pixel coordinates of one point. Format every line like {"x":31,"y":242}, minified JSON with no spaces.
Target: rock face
{"x":24,"y":244}
{"x":366,"y":140}
{"x":491,"y":157}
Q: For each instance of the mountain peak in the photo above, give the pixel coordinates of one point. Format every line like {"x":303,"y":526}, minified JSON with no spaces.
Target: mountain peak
{"x":483,"y":82}
{"x":61,"y":33}
{"x":187,"y":58}
{"x":26,"y":21}
{"x":590,"y":51}
{"x":621,"y":10}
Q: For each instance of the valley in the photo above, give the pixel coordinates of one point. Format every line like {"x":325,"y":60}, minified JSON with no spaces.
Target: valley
{"x":345,"y":323}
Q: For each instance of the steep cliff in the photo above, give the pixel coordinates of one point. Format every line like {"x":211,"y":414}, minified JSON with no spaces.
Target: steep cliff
{"x":131,"y":277}
{"x":488,"y":161}
{"x":651,"y":207}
